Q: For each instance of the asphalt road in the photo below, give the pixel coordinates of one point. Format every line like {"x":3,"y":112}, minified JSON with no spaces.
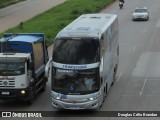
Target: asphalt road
{"x":14,"y":14}
{"x":138,"y":79}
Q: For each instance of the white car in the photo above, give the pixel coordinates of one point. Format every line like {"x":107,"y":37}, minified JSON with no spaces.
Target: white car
{"x":140,"y":14}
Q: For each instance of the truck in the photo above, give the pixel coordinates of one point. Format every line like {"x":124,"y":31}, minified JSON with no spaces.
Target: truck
{"x":84,"y":62}
{"x":23,"y":58}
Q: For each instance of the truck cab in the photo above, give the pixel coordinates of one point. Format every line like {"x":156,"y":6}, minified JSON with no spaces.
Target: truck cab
{"x":23,"y":59}
{"x":15,"y":72}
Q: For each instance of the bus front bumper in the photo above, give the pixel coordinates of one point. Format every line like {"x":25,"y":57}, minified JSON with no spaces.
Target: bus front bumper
{"x":72,"y":105}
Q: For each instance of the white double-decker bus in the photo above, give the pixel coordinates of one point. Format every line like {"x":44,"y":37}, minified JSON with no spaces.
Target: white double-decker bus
{"x":84,"y":62}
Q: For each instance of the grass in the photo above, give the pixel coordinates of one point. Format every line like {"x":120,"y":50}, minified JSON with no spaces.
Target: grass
{"x":5,"y":3}
{"x":53,"y":20}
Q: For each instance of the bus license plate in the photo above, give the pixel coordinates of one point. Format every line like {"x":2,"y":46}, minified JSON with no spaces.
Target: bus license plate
{"x":74,"y":108}
{"x":5,"y":93}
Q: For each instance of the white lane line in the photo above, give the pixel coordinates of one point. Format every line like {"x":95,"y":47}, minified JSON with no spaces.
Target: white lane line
{"x":119,"y":76}
{"x":133,"y":49}
{"x":143,"y":86}
{"x":158,"y":23}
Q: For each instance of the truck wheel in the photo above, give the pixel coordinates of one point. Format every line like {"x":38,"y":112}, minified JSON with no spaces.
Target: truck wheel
{"x":32,"y":96}
{"x":44,"y":86}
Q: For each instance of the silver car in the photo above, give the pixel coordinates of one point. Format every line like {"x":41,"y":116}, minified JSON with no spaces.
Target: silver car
{"x":140,"y":14}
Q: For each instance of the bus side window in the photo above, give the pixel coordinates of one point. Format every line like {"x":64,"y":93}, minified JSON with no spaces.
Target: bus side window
{"x":101,"y":46}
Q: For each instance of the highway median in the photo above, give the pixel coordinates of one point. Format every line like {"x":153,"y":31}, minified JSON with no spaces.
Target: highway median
{"x":5,"y":3}
{"x":53,"y":20}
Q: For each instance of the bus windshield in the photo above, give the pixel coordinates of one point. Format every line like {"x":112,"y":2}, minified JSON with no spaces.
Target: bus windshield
{"x":75,"y":81}
{"x":76,"y":51}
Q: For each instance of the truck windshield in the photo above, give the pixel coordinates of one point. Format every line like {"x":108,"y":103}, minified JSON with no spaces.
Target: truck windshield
{"x":12,"y":69}
{"x":75,"y":81}
{"x":76,"y":51}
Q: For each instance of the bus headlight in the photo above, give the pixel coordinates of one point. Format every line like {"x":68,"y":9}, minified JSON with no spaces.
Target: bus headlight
{"x":91,"y":99}
{"x":58,"y":98}
{"x":55,"y":97}
{"x":95,"y":96}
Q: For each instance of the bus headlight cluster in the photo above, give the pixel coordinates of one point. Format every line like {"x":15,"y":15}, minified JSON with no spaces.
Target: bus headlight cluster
{"x":96,"y":96}
{"x":58,"y":98}
{"x":91,"y":99}
{"x":55,"y":97}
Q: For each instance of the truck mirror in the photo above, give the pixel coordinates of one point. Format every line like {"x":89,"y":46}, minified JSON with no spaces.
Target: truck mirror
{"x":31,"y":65}
{"x":47,"y":68}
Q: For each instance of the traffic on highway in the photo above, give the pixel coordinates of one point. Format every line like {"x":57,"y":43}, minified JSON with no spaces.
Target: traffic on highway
{"x":108,"y":62}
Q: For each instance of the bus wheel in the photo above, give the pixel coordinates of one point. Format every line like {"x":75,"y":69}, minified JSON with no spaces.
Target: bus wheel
{"x":114,"y":75}
{"x":106,"y":89}
{"x":100,"y":106}
{"x":104,"y":94}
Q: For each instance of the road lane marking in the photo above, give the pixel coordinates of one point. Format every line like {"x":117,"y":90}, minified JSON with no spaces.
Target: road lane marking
{"x":119,"y":76}
{"x":143,"y":86}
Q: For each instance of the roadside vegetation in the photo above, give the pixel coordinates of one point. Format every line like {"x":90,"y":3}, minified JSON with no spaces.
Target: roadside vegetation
{"x":5,"y":3}
{"x":53,"y":20}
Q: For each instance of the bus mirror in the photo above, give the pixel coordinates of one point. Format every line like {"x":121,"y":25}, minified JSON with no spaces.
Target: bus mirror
{"x":47,"y":68}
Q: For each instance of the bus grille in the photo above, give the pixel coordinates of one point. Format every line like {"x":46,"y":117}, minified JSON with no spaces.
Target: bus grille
{"x":75,"y":101}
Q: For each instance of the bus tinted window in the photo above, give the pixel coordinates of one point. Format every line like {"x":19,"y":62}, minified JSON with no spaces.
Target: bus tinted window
{"x":82,"y":51}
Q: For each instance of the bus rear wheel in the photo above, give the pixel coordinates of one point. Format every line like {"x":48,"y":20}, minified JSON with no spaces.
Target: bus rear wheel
{"x":114,"y":75}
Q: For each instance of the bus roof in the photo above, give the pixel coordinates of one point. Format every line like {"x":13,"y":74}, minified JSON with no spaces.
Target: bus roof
{"x":88,"y":25}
